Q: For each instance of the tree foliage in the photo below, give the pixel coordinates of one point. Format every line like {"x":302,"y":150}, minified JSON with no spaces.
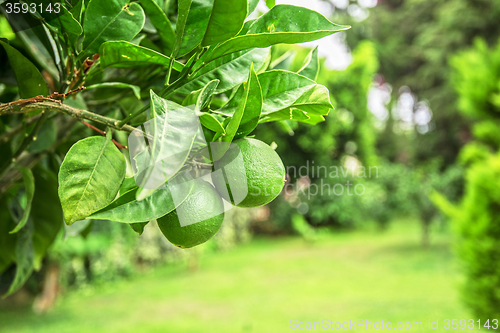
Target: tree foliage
{"x":428,"y":33}
{"x":476,"y":74}
{"x":114,"y":65}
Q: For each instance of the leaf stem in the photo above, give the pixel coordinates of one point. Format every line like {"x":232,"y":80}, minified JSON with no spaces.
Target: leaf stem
{"x":170,"y":66}
{"x":117,"y":144}
{"x":169,"y":88}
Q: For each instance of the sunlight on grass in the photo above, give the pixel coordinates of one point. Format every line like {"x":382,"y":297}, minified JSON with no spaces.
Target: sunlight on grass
{"x":261,"y":286}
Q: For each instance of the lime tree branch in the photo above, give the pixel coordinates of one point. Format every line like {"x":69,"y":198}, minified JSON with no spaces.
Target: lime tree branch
{"x":66,"y":109}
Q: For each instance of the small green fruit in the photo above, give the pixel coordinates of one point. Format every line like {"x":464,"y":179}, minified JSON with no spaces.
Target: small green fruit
{"x":197,"y":219}
{"x":250,"y":174}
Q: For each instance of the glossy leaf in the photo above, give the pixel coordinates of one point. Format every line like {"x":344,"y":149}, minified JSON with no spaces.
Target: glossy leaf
{"x":247,"y":114}
{"x":29,"y":186}
{"x":108,"y":20}
{"x":127,"y":185}
{"x":45,"y":41}
{"x":138,"y":227}
{"x":135,"y":89}
{"x":127,"y":209}
{"x":46,"y":213}
{"x":77,"y":10}
{"x":270,"y":3}
{"x":310,"y":68}
{"x":24,"y":258}
{"x":226,"y":20}
{"x":231,"y":70}
{"x":283,"y":61}
{"x":45,"y":138}
{"x":201,"y":98}
{"x":66,"y":22}
{"x":7,"y":240}
{"x":90,"y":177}
{"x":161,"y":22}
{"x":209,"y":121}
{"x":293,"y":115}
{"x":158,"y":105}
{"x":29,"y":79}
{"x":173,"y":131}
{"x":282,"y":24}
{"x":128,"y":55}
{"x":192,"y":24}
{"x":287,"y":96}
{"x":252,"y":4}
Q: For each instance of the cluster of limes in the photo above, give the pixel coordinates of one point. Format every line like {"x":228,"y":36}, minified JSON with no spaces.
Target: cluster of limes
{"x":201,"y":212}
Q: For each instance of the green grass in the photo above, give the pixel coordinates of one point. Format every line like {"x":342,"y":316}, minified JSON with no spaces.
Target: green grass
{"x":261,"y":286}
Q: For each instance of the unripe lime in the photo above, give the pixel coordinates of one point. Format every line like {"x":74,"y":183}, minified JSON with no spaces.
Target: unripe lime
{"x":250,"y":174}
{"x":195,"y":220}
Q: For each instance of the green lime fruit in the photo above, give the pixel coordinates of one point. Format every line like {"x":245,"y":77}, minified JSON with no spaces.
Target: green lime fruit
{"x":196,"y":219}
{"x":250,"y":174}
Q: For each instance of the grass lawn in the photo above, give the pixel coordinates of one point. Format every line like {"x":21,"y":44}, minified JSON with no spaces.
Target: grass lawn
{"x":261,"y":286}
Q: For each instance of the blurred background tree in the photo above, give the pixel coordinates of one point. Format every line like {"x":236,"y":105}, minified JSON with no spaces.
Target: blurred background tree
{"x":414,"y":40}
{"x":476,"y":79}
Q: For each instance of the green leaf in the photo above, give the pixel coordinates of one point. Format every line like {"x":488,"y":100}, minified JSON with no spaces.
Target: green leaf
{"x":45,"y":41}
{"x":127,"y":185}
{"x":24,"y":258}
{"x":29,"y":186}
{"x":127,"y":209}
{"x":192,"y":24}
{"x":252,"y":4}
{"x":136,"y":89}
{"x":77,"y":11}
{"x":66,"y":22}
{"x":158,"y":105}
{"x":284,"y":61}
{"x":226,"y":21}
{"x":161,"y":23}
{"x":90,"y":177}
{"x":138,"y":227}
{"x":45,"y":138}
{"x":253,"y":107}
{"x":246,"y":116}
{"x":29,"y":79}
{"x":270,"y":3}
{"x":7,"y":240}
{"x":282,"y":24}
{"x":173,"y":133}
{"x":201,"y":97}
{"x":108,"y":20}
{"x":231,"y":70}
{"x":310,"y":68}
{"x":293,"y":115}
{"x":128,"y":55}
{"x":287,"y":96}
{"x":46,"y":213}
{"x":209,"y":121}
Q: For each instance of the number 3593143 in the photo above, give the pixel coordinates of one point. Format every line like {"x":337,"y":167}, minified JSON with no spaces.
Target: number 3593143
{"x":17,"y":8}
{"x":470,"y":324}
